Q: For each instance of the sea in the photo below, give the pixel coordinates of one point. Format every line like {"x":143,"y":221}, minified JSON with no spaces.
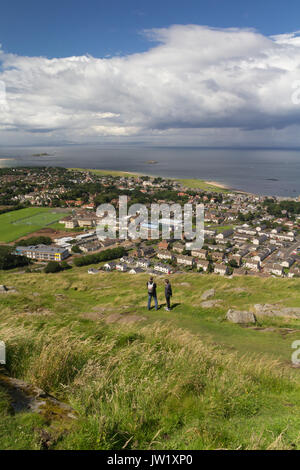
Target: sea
{"x":259,"y":171}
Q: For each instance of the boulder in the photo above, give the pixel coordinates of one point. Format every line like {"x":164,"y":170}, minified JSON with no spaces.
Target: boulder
{"x":241,"y":317}
{"x":269,"y":310}
{"x":208,"y":294}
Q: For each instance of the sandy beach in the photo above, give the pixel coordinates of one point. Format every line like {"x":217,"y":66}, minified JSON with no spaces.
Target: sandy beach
{"x":218,"y":185}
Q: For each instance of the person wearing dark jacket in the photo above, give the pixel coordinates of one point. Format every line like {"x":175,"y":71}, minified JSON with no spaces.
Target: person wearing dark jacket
{"x":151,"y":287}
{"x":168,"y":294}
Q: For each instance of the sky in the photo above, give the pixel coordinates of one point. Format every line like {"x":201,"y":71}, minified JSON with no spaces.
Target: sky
{"x":168,"y":72}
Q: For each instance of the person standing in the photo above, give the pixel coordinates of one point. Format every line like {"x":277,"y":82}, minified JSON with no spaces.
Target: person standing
{"x":151,"y":287}
{"x":168,"y":294}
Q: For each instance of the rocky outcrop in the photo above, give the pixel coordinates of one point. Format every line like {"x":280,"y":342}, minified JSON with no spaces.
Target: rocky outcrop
{"x":208,"y":294}
{"x":240,"y":317}
{"x":268,"y":310}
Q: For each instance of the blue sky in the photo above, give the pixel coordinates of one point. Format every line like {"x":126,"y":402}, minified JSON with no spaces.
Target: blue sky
{"x":63,"y":28}
{"x":167,"y":72}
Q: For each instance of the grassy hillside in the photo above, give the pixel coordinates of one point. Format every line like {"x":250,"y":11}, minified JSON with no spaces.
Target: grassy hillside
{"x":185,"y":379}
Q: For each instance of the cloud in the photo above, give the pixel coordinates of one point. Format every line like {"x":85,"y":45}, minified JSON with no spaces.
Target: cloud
{"x":195,"y":85}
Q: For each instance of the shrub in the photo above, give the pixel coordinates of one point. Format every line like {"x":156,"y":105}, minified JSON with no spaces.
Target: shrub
{"x":53,"y":267}
{"x":105,"y":255}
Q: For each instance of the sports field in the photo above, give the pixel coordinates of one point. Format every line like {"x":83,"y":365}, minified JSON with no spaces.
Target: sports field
{"x":16,"y":224}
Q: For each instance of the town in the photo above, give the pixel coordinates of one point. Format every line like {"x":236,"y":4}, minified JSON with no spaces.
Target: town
{"x":245,"y":234}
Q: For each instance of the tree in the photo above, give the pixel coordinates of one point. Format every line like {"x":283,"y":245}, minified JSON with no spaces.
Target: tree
{"x":76,"y":249}
{"x":52,"y":267}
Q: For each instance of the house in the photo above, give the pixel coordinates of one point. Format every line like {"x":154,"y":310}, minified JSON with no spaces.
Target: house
{"x":143,"y":251}
{"x":163,"y":245}
{"x":136,"y":271}
{"x":201,"y":254}
{"x":178,"y":247}
{"x":110,"y":266}
{"x":223,"y":235}
{"x":87,"y":221}
{"x":88,"y":247}
{"x":93,"y":271}
{"x":185,"y":260}
{"x":294,"y":272}
{"x":274,"y":268}
{"x":221,"y":269}
{"x":128,"y":260}
{"x":142,"y":263}
{"x":288,"y":262}
{"x":260,"y":239}
{"x":70,"y":224}
{"x":43,"y":252}
{"x":250,"y":263}
{"x":202,"y":264}
{"x":166,"y":255}
{"x":217,"y":256}
{"x":163,"y":268}
{"x":209,"y":233}
{"x":121,"y":267}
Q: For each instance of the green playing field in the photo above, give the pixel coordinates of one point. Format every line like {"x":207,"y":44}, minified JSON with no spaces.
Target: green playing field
{"x":16,"y":224}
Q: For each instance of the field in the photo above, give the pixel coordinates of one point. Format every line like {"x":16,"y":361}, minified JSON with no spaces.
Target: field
{"x":150,"y":380}
{"x":201,"y":184}
{"x":16,"y":224}
{"x":115,"y":173}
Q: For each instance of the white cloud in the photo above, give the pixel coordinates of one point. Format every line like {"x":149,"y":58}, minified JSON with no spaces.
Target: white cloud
{"x":195,"y":85}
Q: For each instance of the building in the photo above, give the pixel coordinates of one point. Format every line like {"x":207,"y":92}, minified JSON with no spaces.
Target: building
{"x":121,"y":267}
{"x":201,"y":254}
{"x":163,"y":268}
{"x":202,"y":264}
{"x":166,"y":255}
{"x":221,"y":269}
{"x":142,"y":263}
{"x":178,"y":247}
{"x":217,"y":256}
{"x":252,"y":264}
{"x":185,"y":260}
{"x":224,"y":235}
{"x":110,"y":266}
{"x":136,"y":271}
{"x":43,"y":252}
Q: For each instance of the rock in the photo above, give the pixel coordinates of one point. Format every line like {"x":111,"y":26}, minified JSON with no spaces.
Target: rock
{"x":241,"y":317}
{"x":269,"y":310}
{"x":208,"y":294}
{"x":3,"y":289}
{"x":211,"y":303}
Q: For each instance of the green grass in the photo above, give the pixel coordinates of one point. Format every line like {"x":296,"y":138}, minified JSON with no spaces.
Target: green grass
{"x":115,"y":173}
{"x":201,"y":184}
{"x":180,"y":380}
{"x":16,"y":224}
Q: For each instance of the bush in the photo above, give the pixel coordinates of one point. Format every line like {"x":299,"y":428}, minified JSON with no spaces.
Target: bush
{"x":53,"y":267}
{"x":10,"y":261}
{"x":35,"y":241}
{"x":105,"y":255}
{"x":76,"y":249}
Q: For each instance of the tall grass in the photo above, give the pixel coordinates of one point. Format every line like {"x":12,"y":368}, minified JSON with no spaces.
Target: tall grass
{"x":152,"y":388}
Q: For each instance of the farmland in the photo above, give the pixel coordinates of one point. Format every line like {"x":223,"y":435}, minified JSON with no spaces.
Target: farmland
{"x":16,"y":224}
